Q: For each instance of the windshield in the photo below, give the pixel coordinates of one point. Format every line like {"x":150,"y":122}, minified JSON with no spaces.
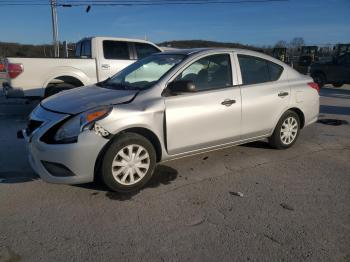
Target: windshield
{"x":144,"y":73}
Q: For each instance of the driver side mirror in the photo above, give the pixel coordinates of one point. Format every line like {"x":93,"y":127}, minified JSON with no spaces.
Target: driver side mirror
{"x":181,"y":86}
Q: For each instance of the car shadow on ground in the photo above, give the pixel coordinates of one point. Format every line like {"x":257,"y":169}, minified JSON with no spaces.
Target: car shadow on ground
{"x":11,"y":177}
{"x":335,"y":110}
{"x":335,"y":93}
{"x":258,"y":144}
{"x":163,"y":175}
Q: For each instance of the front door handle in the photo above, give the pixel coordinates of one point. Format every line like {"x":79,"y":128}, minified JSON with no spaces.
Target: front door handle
{"x":283,"y":94}
{"x":105,"y":66}
{"x":228,"y":102}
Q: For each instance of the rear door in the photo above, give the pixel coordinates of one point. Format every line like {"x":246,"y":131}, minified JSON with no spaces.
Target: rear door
{"x":212,"y":115}
{"x":115,"y":56}
{"x":264,"y":95}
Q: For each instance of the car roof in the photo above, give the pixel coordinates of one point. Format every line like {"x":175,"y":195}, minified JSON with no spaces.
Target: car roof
{"x":198,"y":51}
{"x":191,"y":51}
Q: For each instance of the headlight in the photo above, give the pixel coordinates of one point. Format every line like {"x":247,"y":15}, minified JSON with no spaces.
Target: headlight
{"x":71,"y":129}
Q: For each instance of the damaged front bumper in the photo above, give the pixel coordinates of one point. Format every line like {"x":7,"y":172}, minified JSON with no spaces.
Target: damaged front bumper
{"x":72,"y":163}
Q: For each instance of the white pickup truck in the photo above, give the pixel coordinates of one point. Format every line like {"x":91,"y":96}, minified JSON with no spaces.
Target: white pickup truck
{"x":96,"y":59}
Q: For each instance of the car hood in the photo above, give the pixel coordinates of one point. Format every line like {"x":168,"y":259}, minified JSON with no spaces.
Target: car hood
{"x":81,"y":99}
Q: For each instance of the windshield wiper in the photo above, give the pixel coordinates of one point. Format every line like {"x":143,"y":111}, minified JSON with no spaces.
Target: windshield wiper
{"x":121,"y":86}
{"x":102,"y":83}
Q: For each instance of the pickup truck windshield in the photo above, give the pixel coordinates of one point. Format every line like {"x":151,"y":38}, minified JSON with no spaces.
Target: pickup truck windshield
{"x":143,"y":73}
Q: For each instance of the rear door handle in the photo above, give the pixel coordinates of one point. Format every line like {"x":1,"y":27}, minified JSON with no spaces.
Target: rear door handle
{"x":283,"y":94}
{"x":228,"y":102}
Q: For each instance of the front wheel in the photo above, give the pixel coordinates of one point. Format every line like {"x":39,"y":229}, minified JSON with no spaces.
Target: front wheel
{"x":286,"y":131}
{"x":128,"y":163}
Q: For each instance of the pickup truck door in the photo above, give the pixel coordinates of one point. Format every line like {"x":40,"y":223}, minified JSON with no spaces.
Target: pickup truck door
{"x":339,"y":70}
{"x":211,"y":115}
{"x":343,"y":69}
{"x":114,"y":56}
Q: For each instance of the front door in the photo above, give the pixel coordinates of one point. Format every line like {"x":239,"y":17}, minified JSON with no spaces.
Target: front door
{"x":208,"y":117}
{"x":116,"y":55}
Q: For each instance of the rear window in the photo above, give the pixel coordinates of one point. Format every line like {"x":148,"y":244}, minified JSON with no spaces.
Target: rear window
{"x":83,"y":49}
{"x":144,"y":50}
{"x":256,"y":70}
{"x":116,"y":50}
{"x":86,"y":48}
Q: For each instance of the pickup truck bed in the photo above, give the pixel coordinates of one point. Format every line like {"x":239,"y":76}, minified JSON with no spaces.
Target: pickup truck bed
{"x":46,"y":69}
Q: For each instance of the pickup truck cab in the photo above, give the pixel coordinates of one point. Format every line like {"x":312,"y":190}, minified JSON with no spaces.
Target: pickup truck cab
{"x":96,"y":59}
{"x":336,"y":71}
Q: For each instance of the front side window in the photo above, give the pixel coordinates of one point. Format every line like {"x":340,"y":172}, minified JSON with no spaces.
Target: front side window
{"x":144,"y":50}
{"x":116,"y":50}
{"x":210,"y":72}
{"x":256,"y":70}
{"x":144,"y":73}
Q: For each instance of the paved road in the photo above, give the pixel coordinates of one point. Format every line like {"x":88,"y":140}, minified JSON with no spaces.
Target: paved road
{"x":295,"y":205}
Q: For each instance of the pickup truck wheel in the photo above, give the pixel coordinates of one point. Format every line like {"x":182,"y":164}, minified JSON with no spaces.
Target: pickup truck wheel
{"x":337,"y":84}
{"x":320,"y":79}
{"x":128,"y":163}
{"x":286,"y":131}
{"x":54,"y":89}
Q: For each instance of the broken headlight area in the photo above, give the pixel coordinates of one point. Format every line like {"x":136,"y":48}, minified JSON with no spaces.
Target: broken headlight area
{"x":69,"y":129}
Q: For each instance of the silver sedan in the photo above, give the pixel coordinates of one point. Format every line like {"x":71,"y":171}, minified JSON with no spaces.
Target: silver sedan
{"x":168,"y":105}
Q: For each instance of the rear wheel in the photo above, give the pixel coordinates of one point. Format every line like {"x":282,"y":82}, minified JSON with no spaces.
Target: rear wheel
{"x":320,"y":79}
{"x":286,"y":131}
{"x":337,"y":84}
{"x":128,"y":163}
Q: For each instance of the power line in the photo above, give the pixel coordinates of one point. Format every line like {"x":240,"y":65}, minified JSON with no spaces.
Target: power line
{"x":134,"y":2}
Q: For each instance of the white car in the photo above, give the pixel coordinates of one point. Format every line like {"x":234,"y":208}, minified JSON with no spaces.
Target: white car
{"x":96,"y":59}
{"x":168,"y":105}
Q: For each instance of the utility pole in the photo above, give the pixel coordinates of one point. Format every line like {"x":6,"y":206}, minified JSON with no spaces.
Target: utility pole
{"x":56,"y":45}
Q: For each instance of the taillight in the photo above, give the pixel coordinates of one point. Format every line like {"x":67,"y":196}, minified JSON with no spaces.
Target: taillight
{"x":2,"y":67}
{"x":13,"y":70}
{"x":314,"y":86}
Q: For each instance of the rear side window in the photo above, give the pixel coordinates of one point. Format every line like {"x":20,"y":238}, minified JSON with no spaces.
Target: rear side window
{"x":143,"y":50}
{"x":274,"y":70}
{"x":255,"y":70}
{"x":115,"y":50}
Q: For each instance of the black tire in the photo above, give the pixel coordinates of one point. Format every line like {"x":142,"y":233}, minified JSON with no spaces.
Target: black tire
{"x":56,"y":88}
{"x":338,"y":84}
{"x":275,"y":140}
{"x":320,"y":79}
{"x":116,"y":146}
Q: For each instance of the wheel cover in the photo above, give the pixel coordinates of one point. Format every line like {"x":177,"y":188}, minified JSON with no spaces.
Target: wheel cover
{"x":130,"y":164}
{"x":289,"y":130}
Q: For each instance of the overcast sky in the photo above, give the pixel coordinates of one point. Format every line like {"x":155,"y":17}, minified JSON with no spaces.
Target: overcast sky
{"x":317,"y":21}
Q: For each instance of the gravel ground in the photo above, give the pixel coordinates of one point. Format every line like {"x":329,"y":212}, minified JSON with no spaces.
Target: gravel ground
{"x":295,"y":204}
